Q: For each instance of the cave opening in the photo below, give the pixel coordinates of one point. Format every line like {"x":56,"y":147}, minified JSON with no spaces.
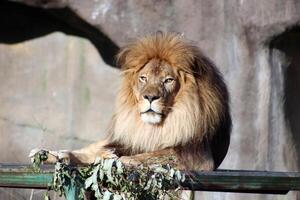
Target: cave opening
{"x":20,"y":22}
{"x":288,"y":42}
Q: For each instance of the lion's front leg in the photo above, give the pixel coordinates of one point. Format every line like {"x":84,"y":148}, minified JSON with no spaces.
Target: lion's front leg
{"x":83,"y":156}
{"x":163,"y":157}
{"x":190,"y":157}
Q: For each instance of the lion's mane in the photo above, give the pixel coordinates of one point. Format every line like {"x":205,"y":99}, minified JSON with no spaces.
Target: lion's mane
{"x":200,"y":110}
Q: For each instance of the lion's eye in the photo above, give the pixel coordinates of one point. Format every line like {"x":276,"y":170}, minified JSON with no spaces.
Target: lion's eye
{"x":169,"y":80}
{"x":143,"y":78}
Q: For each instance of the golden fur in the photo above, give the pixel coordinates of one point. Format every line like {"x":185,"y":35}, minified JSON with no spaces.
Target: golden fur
{"x":200,"y":106}
{"x":196,"y":110}
{"x":196,"y":128}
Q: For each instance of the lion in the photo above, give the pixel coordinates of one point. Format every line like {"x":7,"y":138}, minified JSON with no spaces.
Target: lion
{"x":173,"y":102}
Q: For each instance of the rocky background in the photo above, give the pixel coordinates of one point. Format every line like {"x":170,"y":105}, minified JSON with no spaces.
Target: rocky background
{"x":58,"y":81}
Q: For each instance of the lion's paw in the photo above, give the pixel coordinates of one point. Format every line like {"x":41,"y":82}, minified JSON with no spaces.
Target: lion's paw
{"x":108,"y":154}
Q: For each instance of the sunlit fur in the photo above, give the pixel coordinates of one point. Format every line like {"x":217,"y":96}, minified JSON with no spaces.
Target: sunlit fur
{"x":151,"y":118}
{"x":199,"y":108}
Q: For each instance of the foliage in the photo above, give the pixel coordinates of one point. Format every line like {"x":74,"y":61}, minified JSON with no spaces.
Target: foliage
{"x":110,"y":179}
{"x":38,"y":158}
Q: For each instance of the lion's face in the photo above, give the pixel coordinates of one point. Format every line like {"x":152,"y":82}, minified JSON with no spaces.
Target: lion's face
{"x":170,"y":95}
{"x":156,"y":88}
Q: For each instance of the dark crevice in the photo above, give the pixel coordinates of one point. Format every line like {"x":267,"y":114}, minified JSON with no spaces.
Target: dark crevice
{"x":289,"y":43}
{"x":20,"y":23}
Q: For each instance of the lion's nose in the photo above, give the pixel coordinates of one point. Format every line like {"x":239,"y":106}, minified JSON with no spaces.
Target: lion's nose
{"x":151,"y":98}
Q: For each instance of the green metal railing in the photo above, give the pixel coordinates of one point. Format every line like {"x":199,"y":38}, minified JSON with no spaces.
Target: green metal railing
{"x":23,"y":176}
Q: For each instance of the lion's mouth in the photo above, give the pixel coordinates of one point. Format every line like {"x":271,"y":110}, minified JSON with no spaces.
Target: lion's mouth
{"x":151,"y":111}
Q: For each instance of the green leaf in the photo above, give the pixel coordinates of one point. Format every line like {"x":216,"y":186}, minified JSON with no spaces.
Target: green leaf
{"x":160,"y":170}
{"x":117,"y":197}
{"x":46,"y":196}
{"x":119,"y":167}
{"x":107,"y":195}
{"x":148,"y":184}
{"x":101,"y":174}
{"x":178,"y":175}
{"x":92,"y":180}
{"x":107,"y":167}
{"x":96,"y":189}
{"x":88,"y":182}
{"x":171,"y":172}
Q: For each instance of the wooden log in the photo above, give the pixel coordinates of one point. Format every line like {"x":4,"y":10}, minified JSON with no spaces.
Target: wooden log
{"x":23,"y":176}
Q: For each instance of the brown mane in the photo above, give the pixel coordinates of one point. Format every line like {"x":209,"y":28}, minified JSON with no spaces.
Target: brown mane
{"x":201,"y":106}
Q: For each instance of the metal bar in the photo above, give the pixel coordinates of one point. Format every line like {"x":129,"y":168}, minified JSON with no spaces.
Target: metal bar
{"x":23,"y":176}
{"x":262,"y":182}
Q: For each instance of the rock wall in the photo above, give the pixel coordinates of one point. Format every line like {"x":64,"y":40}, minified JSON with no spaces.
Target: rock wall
{"x":254,"y":44}
{"x":56,"y":93}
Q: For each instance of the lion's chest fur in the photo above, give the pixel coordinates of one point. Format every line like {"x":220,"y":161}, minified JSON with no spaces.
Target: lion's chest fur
{"x":179,"y":127}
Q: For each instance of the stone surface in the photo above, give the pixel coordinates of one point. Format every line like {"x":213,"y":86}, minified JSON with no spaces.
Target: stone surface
{"x":246,"y":39}
{"x":57,"y":94}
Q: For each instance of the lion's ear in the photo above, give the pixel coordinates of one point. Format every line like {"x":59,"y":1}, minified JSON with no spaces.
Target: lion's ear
{"x":122,"y":57}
